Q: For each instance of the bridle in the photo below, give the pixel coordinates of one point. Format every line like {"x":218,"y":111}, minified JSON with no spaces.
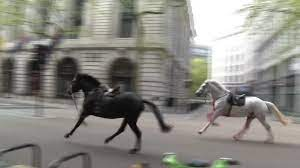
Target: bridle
{"x":74,"y":100}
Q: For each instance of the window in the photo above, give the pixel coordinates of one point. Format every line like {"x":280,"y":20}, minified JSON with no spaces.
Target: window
{"x":226,"y":79}
{"x":76,"y":18}
{"x":128,"y":18}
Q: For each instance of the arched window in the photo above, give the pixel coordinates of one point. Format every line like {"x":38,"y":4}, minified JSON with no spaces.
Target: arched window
{"x":123,"y":74}
{"x":7,"y":75}
{"x":66,"y":70}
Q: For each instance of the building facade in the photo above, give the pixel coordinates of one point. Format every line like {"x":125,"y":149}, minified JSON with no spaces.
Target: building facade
{"x":277,"y":60}
{"x":232,"y":62}
{"x":141,"y":45}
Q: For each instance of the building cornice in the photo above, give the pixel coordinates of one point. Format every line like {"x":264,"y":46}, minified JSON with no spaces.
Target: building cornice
{"x":129,"y":43}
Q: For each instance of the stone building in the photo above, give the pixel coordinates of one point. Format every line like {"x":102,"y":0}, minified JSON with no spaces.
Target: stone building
{"x":232,"y":62}
{"x":142,"y":45}
{"x":276,"y":62}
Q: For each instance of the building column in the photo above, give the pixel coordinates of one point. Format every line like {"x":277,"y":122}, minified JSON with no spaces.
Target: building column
{"x":48,"y":79}
{"x":20,"y":79}
{"x":152,"y":78}
{"x":296,"y":110}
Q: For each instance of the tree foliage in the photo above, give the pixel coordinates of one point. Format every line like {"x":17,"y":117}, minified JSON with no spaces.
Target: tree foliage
{"x":198,"y":73}
{"x":37,"y":17}
{"x":31,"y":16}
{"x":260,"y":12}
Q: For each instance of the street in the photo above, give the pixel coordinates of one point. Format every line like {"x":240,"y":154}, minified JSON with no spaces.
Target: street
{"x":183,"y":140}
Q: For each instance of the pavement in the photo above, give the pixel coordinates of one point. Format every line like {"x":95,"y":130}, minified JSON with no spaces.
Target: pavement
{"x":35,"y":108}
{"x":216,"y":142}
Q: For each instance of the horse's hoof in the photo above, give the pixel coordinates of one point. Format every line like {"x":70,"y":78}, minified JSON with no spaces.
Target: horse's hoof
{"x":167,"y":128}
{"x":67,"y":136}
{"x":107,"y":141}
{"x":200,"y":132}
{"x":134,"y":151}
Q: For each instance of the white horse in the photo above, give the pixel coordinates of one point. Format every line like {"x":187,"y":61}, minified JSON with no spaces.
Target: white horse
{"x":253,"y":108}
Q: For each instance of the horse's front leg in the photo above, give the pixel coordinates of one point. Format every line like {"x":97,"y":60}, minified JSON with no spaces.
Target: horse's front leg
{"x":204,"y":128}
{"x":79,"y":122}
{"x":209,"y":117}
{"x":210,"y":122}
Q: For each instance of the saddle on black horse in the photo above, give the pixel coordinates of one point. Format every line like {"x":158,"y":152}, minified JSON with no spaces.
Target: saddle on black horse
{"x":112,"y":92}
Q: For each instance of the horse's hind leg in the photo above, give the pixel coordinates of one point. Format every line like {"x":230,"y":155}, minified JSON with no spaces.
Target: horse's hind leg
{"x":138,"y":134}
{"x":263,"y":121}
{"x":246,"y":127}
{"x":120,"y":130}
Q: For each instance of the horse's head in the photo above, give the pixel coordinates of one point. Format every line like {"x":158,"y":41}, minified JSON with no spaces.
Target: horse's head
{"x":83,"y":82}
{"x":203,"y":89}
{"x":215,"y":88}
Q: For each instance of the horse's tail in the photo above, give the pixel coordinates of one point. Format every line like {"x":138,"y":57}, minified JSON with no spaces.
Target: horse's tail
{"x":278,"y":114}
{"x":164,"y":127}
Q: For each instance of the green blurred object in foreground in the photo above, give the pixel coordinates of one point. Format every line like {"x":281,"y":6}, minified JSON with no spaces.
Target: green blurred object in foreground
{"x":220,"y":164}
{"x":170,"y":160}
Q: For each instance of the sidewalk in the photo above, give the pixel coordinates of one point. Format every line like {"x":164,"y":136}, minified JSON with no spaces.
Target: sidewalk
{"x":31,"y":100}
{"x":29,"y":107}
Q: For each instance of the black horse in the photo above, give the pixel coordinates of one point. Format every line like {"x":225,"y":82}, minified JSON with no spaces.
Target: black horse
{"x":125,"y":105}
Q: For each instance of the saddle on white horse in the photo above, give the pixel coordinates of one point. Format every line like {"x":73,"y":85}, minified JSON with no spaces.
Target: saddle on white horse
{"x":236,"y":100}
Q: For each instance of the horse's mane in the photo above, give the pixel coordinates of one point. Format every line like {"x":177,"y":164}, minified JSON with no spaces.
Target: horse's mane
{"x":216,"y":84}
{"x":89,"y":78}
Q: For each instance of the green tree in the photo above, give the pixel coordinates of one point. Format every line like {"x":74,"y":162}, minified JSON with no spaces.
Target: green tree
{"x":260,"y":12}
{"x":198,"y":73}
{"x":15,"y":14}
{"x":36,"y":17}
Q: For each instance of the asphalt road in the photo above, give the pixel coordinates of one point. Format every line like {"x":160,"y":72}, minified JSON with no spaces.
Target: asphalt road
{"x":183,"y":140}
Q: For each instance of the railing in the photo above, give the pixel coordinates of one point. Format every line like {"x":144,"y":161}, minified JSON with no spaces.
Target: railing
{"x":36,"y":153}
{"x":86,"y":160}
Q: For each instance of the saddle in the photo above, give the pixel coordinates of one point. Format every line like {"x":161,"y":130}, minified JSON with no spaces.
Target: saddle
{"x":236,"y":100}
{"x":112,"y":92}
{"x":95,"y":95}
